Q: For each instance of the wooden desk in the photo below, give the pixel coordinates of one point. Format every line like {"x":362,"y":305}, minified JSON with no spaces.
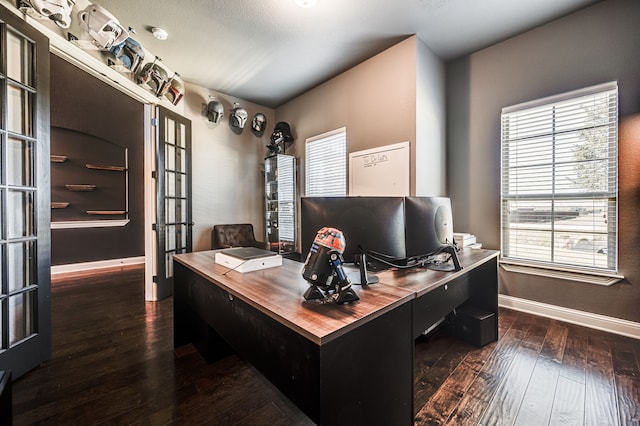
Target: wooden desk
{"x":438,"y":293}
{"x":341,"y":364}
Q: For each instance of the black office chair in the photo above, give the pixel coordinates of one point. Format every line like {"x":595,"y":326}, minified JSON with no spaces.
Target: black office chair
{"x":234,"y":235}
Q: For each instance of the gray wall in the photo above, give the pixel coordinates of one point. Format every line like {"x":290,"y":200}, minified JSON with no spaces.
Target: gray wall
{"x":77,"y":112}
{"x":595,"y":45}
{"x":430,"y":158}
{"x":228,"y":181}
{"x":375,"y":101}
{"x":396,"y":96}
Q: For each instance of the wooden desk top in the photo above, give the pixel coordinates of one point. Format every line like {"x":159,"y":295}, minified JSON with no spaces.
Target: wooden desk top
{"x":423,"y":280}
{"x":278,"y":293}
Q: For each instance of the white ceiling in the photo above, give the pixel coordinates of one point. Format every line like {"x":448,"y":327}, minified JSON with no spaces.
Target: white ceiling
{"x":269,"y":51}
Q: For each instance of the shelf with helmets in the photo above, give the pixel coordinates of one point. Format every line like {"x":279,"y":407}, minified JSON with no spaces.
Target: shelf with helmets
{"x":94,"y":29}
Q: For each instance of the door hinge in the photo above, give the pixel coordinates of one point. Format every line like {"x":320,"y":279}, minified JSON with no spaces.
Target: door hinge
{"x":154,"y":122}
{"x":155,"y":279}
{"x":154,"y":226}
{"x":154,"y":174}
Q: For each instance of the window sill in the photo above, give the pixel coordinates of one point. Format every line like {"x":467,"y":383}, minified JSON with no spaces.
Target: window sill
{"x":606,"y":280}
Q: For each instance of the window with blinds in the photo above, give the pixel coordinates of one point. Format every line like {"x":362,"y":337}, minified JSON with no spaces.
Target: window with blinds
{"x":560,"y":181}
{"x":326,"y":164}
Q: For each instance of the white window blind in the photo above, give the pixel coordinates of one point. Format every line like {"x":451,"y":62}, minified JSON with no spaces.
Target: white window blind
{"x":326,"y":164}
{"x":560,"y":180}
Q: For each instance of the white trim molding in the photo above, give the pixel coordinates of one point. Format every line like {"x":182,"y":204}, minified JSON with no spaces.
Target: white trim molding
{"x":563,"y":274}
{"x":573,"y":316}
{"x":77,"y":224}
{"x":100,"y":264}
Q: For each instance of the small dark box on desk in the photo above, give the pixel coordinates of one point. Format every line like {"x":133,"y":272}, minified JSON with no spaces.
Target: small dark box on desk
{"x":475,"y":325}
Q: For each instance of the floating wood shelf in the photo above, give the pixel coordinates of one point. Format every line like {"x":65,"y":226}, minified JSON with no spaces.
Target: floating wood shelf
{"x":58,"y":158}
{"x":110,"y":168}
{"x":81,"y":187}
{"x":106,"y":212}
{"x":59,"y":205}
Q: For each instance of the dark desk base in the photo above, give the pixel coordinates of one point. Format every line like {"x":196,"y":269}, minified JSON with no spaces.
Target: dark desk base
{"x":477,"y":288}
{"x":364,"y":377}
{"x":363,"y":374}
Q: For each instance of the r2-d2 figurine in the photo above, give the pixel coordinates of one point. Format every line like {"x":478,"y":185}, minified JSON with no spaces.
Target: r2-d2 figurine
{"x":323,"y":269}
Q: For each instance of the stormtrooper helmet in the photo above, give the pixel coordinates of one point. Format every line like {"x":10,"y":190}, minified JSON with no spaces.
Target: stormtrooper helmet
{"x":130,"y":53}
{"x":102,"y":26}
{"x":239,"y":117}
{"x":215,"y":111}
{"x":59,"y":11}
{"x":258,"y":123}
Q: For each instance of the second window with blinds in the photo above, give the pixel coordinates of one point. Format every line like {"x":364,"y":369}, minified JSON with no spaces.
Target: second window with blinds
{"x":326,"y":164}
{"x":559,"y":181}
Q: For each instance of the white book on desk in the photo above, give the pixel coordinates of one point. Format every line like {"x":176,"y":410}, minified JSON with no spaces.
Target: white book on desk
{"x":247,"y":259}
{"x":464,"y":240}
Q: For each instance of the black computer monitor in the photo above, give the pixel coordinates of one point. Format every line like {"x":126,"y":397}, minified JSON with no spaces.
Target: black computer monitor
{"x":429,"y":225}
{"x":372,"y":223}
{"x":401,"y":229}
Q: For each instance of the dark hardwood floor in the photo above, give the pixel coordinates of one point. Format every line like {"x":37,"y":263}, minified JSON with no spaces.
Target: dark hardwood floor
{"x":113,"y":362}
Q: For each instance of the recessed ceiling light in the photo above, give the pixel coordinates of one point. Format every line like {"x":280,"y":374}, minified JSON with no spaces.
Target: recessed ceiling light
{"x":159,"y":33}
{"x":306,"y":3}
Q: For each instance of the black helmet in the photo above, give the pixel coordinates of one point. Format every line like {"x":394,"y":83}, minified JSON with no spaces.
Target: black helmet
{"x":281,"y":133}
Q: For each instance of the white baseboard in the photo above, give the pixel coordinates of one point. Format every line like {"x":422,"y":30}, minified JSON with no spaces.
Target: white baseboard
{"x":573,"y":316}
{"x":100,"y":264}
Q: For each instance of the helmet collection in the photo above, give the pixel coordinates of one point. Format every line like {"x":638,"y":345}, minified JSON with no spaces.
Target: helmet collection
{"x":125,"y":54}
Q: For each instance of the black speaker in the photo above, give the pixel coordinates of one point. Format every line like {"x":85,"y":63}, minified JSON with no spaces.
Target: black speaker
{"x":475,"y":325}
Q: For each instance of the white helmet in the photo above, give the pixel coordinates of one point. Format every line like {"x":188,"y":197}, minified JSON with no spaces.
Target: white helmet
{"x":59,"y":11}
{"x":238,"y":116}
{"x":102,"y":26}
{"x":258,"y":123}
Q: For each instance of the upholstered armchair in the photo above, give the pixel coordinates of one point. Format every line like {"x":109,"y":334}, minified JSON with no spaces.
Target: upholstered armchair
{"x":234,"y":235}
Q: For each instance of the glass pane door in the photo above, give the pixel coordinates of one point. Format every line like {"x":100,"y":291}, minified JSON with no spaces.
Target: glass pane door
{"x":173,"y":195}
{"x":25,"y":261}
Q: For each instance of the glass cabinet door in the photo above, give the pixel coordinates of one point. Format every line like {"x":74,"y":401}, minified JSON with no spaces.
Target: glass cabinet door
{"x":280,"y":203}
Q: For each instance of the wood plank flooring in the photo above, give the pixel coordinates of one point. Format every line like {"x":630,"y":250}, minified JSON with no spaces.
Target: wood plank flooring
{"x":113,"y":363}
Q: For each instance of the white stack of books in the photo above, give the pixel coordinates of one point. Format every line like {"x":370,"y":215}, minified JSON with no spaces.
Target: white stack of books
{"x":464,"y":240}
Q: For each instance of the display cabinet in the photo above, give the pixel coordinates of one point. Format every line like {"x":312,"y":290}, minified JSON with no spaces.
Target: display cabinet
{"x":280,"y":203}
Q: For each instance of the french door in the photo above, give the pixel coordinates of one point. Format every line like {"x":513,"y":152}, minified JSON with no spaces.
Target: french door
{"x":173,"y":225}
{"x":25,"y":216}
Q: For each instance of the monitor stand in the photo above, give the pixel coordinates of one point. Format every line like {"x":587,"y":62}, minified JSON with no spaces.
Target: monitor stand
{"x":447,"y":267}
{"x":363,"y":279}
